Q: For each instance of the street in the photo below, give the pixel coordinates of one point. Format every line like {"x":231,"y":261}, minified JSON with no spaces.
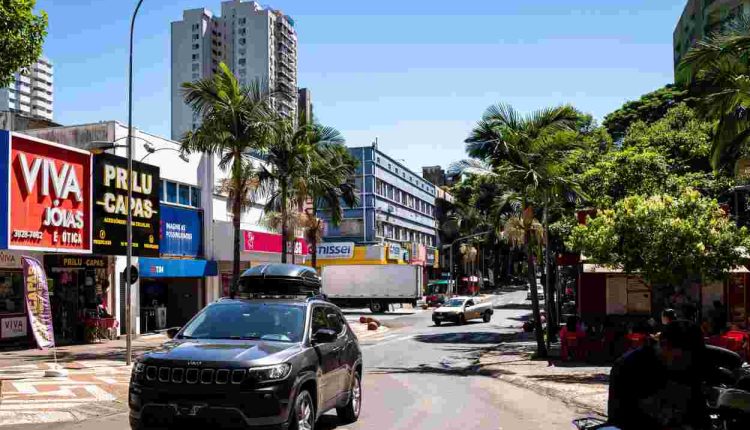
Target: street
{"x":419,"y":376}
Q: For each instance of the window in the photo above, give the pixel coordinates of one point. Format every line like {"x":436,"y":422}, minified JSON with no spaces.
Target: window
{"x":242,"y":72}
{"x":196,"y":27}
{"x":242,"y":41}
{"x":196,"y":76}
{"x":196,"y":66}
{"x":242,"y":51}
{"x":242,"y":61}
{"x":319,"y":319}
{"x":196,"y":46}
{"x":196,"y":37}
{"x":195,"y":57}
{"x":171,"y":192}
{"x":242,"y":31}
{"x":11,"y":292}
{"x":183,"y":195}
{"x":242,"y":21}
{"x":266,"y":321}
{"x":335,"y":321}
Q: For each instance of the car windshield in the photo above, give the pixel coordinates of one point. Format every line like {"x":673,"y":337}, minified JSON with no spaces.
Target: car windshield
{"x":242,"y":320}
{"x":454,"y":303}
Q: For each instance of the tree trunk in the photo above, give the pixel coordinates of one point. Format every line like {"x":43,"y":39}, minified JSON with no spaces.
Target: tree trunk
{"x":496,"y":270}
{"x":236,"y":215}
{"x":284,"y":226}
{"x":549,"y":300}
{"x":540,"y":346}
{"x":314,"y":237}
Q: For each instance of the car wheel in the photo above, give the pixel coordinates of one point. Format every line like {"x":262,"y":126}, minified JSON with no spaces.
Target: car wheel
{"x":303,"y":414}
{"x":461,"y":319}
{"x":376,"y":307}
{"x":350,"y":413}
{"x":437,"y":323}
{"x":486,"y":317}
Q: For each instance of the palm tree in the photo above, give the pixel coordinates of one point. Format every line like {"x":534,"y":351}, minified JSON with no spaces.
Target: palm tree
{"x":327,"y":185}
{"x":234,"y":121}
{"x":523,"y":151}
{"x":717,"y":69}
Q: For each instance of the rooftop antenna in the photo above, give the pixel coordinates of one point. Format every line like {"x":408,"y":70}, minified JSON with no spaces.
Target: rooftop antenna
{"x":375,"y":143}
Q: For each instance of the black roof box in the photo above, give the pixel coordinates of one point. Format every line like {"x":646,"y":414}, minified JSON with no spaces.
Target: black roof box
{"x":279,"y":279}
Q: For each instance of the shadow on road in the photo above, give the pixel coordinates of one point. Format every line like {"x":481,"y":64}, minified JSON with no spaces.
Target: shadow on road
{"x":597,"y":378}
{"x":472,"y":338}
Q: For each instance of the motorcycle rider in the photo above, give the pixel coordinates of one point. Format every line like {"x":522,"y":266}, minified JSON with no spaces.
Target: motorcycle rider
{"x":658,"y":386}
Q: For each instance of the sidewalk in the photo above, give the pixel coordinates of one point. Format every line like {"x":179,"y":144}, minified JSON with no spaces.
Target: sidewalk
{"x":96,"y":385}
{"x":579,"y":384}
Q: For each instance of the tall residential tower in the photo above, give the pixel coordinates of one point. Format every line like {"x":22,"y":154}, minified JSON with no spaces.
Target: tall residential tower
{"x":31,"y":92}
{"x":255,"y":42}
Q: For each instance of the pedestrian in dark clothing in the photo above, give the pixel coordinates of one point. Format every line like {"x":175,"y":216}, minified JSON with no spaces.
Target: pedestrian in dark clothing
{"x":659,"y":386}
{"x":719,"y":320}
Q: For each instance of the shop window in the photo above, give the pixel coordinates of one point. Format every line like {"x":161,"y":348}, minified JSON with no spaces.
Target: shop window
{"x":171,"y":192}
{"x":11,"y":292}
{"x":195,"y":197}
{"x":183,"y":195}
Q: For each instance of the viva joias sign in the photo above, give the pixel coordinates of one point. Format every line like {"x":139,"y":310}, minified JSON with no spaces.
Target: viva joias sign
{"x":111,"y":206}
{"x":46,"y":198}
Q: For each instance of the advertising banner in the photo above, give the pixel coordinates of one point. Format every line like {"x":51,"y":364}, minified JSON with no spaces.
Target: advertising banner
{"x":325,"y":251}
{"x":37,"y":302}
{"x":111,"y":208}
{"x":181,"y":231}
{"x":394,"y":251}
{"x":254,"y":241}
{"x":46,"y":200}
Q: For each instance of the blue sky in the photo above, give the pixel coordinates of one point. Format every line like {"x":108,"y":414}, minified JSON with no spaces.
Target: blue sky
{"x":416,"y":74}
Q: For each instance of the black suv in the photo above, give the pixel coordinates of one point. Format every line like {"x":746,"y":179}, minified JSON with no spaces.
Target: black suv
{"x":274,"y":356}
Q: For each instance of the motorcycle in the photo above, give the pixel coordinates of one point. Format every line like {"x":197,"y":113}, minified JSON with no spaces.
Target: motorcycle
{"x":727,"y":390}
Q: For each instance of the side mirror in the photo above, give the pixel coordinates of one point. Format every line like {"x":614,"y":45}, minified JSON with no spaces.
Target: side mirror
{"x":172,"y":332}
{"x":324,"y":335}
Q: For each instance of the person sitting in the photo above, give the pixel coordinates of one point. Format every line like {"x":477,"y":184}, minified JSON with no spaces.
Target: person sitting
{"x":659,"y":386}
{"x":572,"y":330}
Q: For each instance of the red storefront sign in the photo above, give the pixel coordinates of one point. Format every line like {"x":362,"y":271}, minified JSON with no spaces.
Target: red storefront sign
{"x":49,"y":196}
{"x":254,"y":241}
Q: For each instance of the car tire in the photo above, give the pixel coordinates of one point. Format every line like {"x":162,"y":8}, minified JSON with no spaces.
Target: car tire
{"x":461,"y":319}
{"x":437,"y":323}
{"x":302,"y":416}
{"x":487,"y":316}
{"x":350,"y":412}
{"x":376,"y":307}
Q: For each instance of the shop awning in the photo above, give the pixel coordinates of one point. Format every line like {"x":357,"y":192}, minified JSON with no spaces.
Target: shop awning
{"x":175,"y":268}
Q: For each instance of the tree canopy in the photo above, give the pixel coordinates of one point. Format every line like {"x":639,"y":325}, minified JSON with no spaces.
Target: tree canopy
{"x":666,"y":238}
{"x":649,"y":108}
{"x":21,"y":36}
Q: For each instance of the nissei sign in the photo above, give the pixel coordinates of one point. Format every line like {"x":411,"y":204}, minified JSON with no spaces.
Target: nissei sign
{"x":181,"y":231}
{"x":333,"y":250}
{"x":46,"y":193}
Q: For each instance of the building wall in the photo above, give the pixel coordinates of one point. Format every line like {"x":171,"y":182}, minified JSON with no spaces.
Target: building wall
{"x":700,"y":18}
{"x":382,"y":215}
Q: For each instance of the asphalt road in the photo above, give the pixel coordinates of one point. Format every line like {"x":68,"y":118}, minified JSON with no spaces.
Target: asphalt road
{"x":420,"y":377}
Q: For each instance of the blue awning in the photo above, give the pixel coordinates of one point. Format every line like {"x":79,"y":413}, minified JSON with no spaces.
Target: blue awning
{"x":174,"y":268}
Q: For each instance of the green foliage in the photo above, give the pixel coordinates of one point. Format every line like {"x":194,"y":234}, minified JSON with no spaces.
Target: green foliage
{"x":21,"y":36}
{"x":667,"y":239}
{"x":649,"y":108}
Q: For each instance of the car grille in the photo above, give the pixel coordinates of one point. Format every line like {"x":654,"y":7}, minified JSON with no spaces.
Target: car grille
{"x":192,"y":375}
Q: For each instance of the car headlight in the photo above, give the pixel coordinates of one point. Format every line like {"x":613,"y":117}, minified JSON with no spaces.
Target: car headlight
{"x":270,"y":373}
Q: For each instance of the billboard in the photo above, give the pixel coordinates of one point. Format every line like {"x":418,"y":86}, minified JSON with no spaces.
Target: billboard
{"x":45,"y":193}
{"x":254,"y":241}
{"x":181,"y":231}
{"x":111,"y":209}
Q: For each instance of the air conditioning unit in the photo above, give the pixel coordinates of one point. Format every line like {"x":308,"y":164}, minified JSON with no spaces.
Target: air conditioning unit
{"x":391,"y":209}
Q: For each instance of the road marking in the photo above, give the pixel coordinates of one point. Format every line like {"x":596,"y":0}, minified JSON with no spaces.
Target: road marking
{"x":397,"y":339}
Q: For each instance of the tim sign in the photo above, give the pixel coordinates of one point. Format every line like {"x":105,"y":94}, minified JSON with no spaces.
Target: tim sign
{"x":45,"y":188}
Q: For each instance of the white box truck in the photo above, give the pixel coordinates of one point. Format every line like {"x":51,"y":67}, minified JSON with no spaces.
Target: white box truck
{"x":373,"y":286}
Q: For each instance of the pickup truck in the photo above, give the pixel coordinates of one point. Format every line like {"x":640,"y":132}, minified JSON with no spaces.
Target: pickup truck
{"x":461,"y":309}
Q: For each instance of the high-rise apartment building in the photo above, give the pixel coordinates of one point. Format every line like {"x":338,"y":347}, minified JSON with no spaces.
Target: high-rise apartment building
{"x":700,"y":18}
{"x":31,"y":92}
{"x":304,"y":104}
{"x":254,"y":42}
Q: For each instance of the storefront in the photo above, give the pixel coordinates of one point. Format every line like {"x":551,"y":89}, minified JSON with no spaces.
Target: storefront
{"x":13,"y":317}
{"x":256,"y":247}
{"x":45,"y":197}
{"x":172,"y":286}
{"x":80,"y":293}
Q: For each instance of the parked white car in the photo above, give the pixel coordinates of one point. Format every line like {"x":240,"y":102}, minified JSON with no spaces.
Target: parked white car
{"x":461,"y":309}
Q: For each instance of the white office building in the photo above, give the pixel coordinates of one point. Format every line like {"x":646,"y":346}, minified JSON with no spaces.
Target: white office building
{"x":31,"y":92}
{"x":255,"y":42}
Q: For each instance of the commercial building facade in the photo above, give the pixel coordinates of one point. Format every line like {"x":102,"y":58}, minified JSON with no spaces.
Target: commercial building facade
{"x":255,"y":43}
{"x":31,"y":93}
{"x":701,"y":18}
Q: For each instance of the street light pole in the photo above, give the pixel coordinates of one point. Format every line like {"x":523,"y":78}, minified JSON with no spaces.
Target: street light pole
{"x":129,"y":222}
